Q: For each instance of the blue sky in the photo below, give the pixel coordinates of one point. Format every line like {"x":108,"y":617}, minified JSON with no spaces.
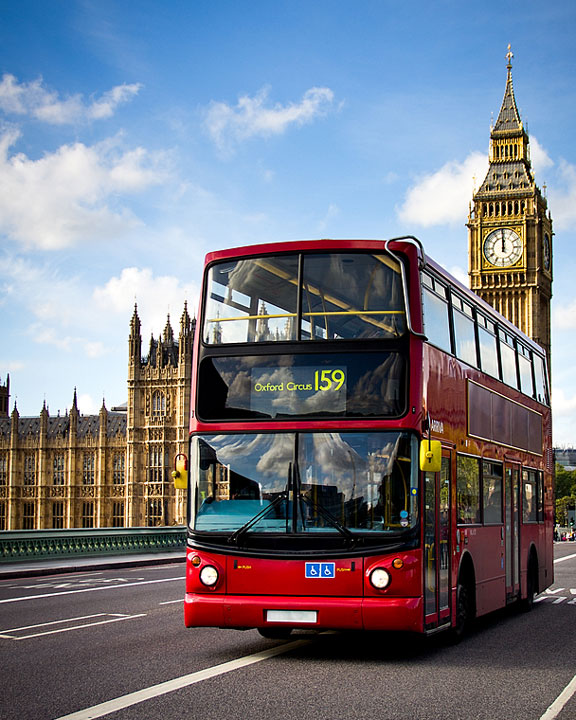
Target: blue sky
{"x":136,"y":137}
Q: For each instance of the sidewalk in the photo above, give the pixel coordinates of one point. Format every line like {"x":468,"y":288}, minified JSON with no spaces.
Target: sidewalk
{"x":53,"y":566}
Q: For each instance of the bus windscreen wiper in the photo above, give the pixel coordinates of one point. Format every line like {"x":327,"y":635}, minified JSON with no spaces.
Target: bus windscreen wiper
{"x":326,"y":514}
{"x":243,"y":529}
{"x":330,"y":519}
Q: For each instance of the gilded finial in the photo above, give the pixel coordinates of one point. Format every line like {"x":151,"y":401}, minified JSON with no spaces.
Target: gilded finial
{"x":509,"y":56}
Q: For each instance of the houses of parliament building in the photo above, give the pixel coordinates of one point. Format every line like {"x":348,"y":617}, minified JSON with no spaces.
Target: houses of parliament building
{"x":107,"y":470}
{"x":113,"y":469}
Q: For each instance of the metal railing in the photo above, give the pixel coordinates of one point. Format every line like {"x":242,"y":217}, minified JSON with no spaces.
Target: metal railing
{"x":18,"y":545}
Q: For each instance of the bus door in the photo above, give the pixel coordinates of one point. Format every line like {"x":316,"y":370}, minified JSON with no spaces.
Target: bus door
{"x":512,"y":529}
{"x":437,"y":550}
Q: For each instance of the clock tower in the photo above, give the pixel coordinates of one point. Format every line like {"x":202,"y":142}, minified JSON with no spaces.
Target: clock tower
{"x":510,"y":229}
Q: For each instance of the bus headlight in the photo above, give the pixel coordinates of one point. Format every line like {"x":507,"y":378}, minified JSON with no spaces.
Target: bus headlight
{"x":209,"y":575}
{"x":380,"y":578}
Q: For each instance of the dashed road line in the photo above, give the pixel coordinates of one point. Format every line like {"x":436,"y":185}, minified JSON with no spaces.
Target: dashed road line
{"x":12,"y":633}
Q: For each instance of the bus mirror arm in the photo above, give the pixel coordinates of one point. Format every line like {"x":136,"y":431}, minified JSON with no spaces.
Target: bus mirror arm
{"x":415,"y":241}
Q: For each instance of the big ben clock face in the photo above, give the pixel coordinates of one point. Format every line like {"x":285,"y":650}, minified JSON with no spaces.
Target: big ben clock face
{"x":503,"y":247}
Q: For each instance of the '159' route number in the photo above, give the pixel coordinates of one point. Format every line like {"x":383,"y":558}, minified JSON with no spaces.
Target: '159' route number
{"x":329,"y":379}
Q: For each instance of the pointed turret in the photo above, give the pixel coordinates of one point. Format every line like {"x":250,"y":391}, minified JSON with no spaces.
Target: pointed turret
{"x":14,"y":422}
{"x":5,"y":397}
{"x":44,"y":415}
{"x":168,"y":336}
{"x":135,"y":339}
{"x":74,"y":415}
{"x":103,"y":422}
{"x":186,"y":337}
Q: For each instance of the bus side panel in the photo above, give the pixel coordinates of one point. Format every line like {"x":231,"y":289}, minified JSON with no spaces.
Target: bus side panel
{"x":486,"y":547}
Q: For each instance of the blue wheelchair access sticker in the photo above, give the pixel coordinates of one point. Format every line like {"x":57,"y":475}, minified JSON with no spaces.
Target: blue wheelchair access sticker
{"x":320,"y":570}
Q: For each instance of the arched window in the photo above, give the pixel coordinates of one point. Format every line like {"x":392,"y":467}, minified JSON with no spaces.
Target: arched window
{"x":158,"y":404}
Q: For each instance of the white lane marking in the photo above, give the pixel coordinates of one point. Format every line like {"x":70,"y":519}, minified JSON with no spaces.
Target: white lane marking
{"x":105,"y":708}
{"x":111,"y":618}
{"x":172,"y":602}
{"x":553,"y":592}
{"x":83,"y":590}
{"x":566,"y":557}
{"x":558,"y":705}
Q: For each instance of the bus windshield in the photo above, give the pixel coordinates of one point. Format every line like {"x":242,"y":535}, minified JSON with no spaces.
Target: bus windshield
{"x":329,"y":296}
{"x":297,"y":483}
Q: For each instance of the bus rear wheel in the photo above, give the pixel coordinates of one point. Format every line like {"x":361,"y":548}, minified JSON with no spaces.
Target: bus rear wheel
{"x":527,"y":603}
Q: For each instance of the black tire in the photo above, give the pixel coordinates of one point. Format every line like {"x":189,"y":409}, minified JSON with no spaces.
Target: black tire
{"x":275,"y":633}
{"x":527,"y":603}
{"x":464,"y":613}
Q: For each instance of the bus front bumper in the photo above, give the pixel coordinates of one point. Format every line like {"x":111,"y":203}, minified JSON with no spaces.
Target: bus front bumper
{"x":240,"y":611}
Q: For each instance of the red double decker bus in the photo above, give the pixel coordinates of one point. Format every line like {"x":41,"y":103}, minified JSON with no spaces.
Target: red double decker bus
{"x":370,"y":445}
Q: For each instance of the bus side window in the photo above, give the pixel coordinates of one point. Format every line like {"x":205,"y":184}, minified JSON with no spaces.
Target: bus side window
{"x":488,"y":346}
{"x":468,"y":490}
{"x":525,"y":365}
{"x":508,"y":357}
{"x":436,"y":313}
{"x":530,"y":496}
{"x":464,"y":333}
{"x":492,"y":492}
{"x":540,"y":377}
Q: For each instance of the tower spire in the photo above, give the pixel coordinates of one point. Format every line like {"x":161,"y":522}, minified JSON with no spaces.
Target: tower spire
{"x":509,"y":117}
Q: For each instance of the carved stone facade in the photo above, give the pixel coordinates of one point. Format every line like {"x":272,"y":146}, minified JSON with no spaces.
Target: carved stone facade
{"x":107,"y":470}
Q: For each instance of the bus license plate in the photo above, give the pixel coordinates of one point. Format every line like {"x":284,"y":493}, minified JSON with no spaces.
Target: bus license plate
{"x":292,"y":616}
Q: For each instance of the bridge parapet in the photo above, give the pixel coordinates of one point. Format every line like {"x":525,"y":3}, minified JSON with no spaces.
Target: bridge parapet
{"x":19,"y":545}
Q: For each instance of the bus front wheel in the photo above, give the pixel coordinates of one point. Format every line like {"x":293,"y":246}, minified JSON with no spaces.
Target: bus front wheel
{"x":464,"y":612}
{"x":275,"y":633}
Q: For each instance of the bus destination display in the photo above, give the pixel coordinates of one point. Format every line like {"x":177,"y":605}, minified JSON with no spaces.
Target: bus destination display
{"x":290,"y":390}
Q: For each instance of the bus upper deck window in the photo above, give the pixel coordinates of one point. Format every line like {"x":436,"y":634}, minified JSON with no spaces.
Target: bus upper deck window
{"x":252,"y":300}
{"x":352,"y":295}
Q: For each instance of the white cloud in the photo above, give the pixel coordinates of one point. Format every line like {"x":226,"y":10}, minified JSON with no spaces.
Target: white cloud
{"x":87,"y":405}
{"x":562,"y":404}
{"x":254,"y":116}
{"x":443,"y":197}
{"x":564,"y":417}
{"x":331,"y":214}
{"x":564,"y":316}
{"x":35,"y":100}
{"x":460,"y":274}
{"x":70,"y":318}
{"x":62,"y":198}
{"x":562,"y":197}
{"x":154,"y":295}
{"x":539,"y":157}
